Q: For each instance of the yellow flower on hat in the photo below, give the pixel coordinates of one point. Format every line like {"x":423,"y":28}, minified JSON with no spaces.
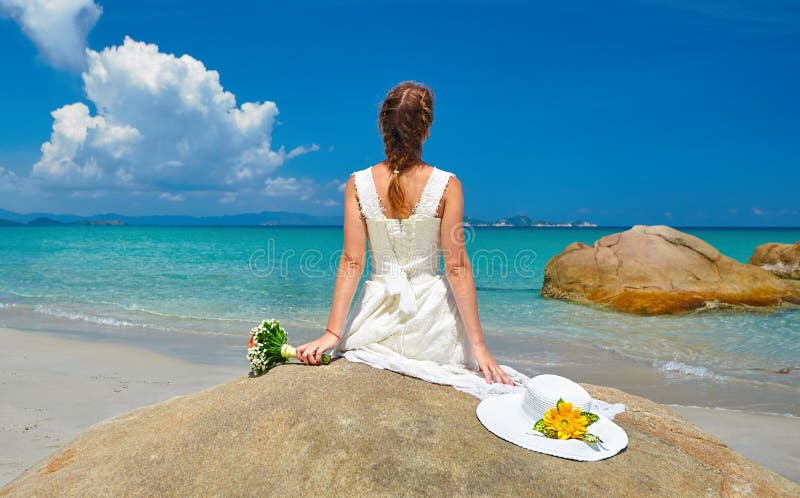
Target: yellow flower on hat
{"x":566,"y":422}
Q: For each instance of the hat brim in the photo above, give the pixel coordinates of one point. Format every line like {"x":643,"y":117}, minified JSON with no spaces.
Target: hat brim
{"x":503,"y":416}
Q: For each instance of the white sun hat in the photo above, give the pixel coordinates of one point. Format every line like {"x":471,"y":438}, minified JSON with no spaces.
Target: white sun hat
{"x":512,"y":417}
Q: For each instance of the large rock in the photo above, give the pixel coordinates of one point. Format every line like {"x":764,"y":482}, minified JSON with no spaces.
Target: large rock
{"x":782,"y":260}
{"x":350,"y":429}
{"x":659,"y":270}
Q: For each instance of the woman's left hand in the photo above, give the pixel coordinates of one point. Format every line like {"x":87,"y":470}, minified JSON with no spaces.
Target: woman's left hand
{"x":488,"y":366}
{"x":311,"y":352}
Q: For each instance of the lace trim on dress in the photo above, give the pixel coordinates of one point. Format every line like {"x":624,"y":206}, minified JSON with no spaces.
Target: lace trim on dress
{"x":441,"y":196}
{"x":368,"y":200}
{"x":428,"y":204}
{"x":358,"y":199}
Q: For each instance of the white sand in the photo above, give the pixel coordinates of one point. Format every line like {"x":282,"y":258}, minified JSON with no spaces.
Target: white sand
{"x":771,"y":440}
{"x":53,"y":387}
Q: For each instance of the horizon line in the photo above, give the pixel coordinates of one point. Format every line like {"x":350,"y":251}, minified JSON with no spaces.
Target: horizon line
{"x":478,"y":227}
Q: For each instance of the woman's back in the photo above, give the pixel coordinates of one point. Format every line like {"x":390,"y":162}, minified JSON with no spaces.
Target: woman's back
{"x":403,"y":250}
{"x":413,"y":182}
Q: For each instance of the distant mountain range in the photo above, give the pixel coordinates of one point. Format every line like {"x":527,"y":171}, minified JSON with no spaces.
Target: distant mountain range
{"x":264,"y":218}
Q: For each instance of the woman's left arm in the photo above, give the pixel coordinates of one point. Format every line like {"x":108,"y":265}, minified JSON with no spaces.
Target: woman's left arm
{"x":459,"y":274}
{"x":351,"y":267}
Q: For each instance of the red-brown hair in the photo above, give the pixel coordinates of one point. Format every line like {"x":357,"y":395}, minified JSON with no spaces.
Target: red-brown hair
{"x":404,"y":119}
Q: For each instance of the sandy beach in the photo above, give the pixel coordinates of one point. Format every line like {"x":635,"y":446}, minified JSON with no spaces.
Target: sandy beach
{"x":771,"y":440}
{"x":52,"y":388}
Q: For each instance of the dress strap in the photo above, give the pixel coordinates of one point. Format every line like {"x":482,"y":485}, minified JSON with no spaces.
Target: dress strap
{"x":367,"y":195}
{"x":432,"y":194}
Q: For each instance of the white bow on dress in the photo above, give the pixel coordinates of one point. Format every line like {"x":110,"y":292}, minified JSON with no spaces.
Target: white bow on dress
{"x":398,"y":283}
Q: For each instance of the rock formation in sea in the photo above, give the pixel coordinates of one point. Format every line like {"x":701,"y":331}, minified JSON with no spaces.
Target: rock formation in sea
{"x":782,"y":260}
{"x":659,"y":270}
{"x":350,"y":429}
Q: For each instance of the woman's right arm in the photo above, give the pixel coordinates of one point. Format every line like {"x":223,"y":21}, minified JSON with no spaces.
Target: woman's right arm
{"x":351,"y":267}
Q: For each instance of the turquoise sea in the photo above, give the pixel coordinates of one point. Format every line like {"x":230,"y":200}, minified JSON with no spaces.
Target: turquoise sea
{"x":196,"y":291}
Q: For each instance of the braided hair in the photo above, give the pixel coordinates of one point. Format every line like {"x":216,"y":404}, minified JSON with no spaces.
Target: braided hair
{"x":404,"y":120}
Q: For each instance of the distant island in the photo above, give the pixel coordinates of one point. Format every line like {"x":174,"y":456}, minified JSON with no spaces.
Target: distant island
{"x":49,"y":222}
{"x":264,"y":218}
{"x":524,"y":221}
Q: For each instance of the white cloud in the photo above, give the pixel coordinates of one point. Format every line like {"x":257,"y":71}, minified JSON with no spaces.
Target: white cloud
{"x":71,"y":127}
{"x":337,"y":184}
{"x":16,"y":188}
{"x":228,"y":197}
{"x":166,"y":196}
{"x":300,"y":150}
{"x":301,"y":189}
{"x":58,"y":28}
{"x":759,"y":211}
{"x":8,"y":179}
{"x":162,"y":123}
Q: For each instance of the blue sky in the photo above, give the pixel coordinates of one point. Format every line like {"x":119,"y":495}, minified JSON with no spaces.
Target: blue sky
{"x":620,"y":112}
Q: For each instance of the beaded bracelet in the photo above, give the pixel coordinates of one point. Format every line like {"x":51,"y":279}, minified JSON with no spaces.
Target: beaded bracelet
{"x":334,"y":333}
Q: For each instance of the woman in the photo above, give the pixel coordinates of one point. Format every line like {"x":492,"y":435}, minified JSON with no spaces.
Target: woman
{"x":408,"y":317}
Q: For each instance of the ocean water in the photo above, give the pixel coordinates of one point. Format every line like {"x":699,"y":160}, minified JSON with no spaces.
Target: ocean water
{"x":198,"y":290}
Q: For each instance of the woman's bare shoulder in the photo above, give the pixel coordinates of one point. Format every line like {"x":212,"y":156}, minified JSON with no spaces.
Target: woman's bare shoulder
{"x":453,"y":186}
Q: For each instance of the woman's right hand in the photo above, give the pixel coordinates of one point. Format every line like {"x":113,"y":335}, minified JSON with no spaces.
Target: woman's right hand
{"x":311,"y":352}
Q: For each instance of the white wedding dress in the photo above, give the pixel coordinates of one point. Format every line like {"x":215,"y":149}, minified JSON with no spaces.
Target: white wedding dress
{"x":406,"y":318}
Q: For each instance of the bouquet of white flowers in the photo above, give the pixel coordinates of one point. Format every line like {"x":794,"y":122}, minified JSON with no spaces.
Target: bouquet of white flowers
{"x":269,"y":347}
